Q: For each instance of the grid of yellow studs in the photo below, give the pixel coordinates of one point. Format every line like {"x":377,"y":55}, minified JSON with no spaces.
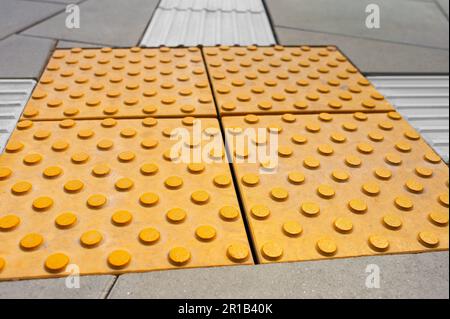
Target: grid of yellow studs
{"x":346,"y":185}
{"x":134,"y":82}
{"x":106,"y":195}
{"x":267,"y":80}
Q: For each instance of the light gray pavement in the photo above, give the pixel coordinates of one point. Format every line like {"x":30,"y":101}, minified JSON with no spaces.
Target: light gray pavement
{"x":73,"y":44}
{"x":111,"y":22}
{"x":413,"y":34}
{"x":374,"y":57}
{"x":24,"y":57}
{"x":401,"y":276}
{"x":16,"y":15}
{"x":91,"y":287}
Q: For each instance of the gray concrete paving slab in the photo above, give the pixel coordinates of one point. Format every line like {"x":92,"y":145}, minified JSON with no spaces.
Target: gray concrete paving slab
{"x":401,"y":276}
{"x":57,"y":1}
{"x":444,"y":4}
{"x":403,"y":21}
{"x":24,"y":57}
{"x":112,"y":22}
{"x":17,"y":15}
{"x":90,"y":287}
{"x":373,"y":56}
{"x":73,"y":44}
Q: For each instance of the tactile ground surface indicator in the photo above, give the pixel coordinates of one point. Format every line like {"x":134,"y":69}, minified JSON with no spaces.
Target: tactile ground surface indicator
{"x":101,"y":83}
{"x":346,"y":185}
{"x":104,"y":195}
{"x":264,"y":80}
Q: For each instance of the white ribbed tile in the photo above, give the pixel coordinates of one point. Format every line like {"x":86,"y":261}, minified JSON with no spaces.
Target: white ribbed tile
{"x":209,"y":23}
{"x":424,"y":102}
{"x":14,"y":95}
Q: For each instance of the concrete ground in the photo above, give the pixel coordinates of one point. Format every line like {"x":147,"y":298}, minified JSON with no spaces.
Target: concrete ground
{"x":413,"y":38}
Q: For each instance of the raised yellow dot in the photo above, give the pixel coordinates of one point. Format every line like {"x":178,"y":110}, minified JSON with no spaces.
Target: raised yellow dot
{"x":250,"y":179}
{"x":393,"y":159}
{"x":149,"y":199}
{"x":439,"y":218}
{"x":340,"y":175}
{"x":371,"y":188}
{"x":31,"y":241}
{"x":73,"y":186}
{"x":326,"y":246}
{"x":32,"y":159}
{"x":21,"y":188}
{"x":149,"y":169}
{"x":311,"y":162}
{"x":222,"y":180}
{"x":57,"y":262}
{"x":272,"y":251}
{"x":279,"y":194}
{"x":443,"y":199}
{"x":357,"y":206}
{"x":424,"y":172}
{"x":292,"y":228}
{"x":403,"y":203}
{"x":119,"y":259}
{"x":196,"y":168}
{"x":179,"y":256}
{"x":149,"y":143}
{"x":392,"y":221}
{"x":14,"y":146}
{"x":96,"y":201}
{"x":376,"y":136}
{"x":2,"y":264}
{"x":200,"y":197}
{"x":9,"y":222}
{"x":365,"y":148}
{"x":412,"y":135}
{"x":325,"y":191}
{"x":205,"y":233}
{"x":42,"y":135}
{"x":414,"y":186}
{"x":122,"y":218}
{"x":149,"y":236}
{"x":428,"y":239}
{"x":66,"y":220}
{"x":60,"y":146}
{"x":338,"y":137}
{"x":383,"y":173}
{"x":238,"y":252}
{"x":296,"y":177}
{"x":325,"y":149}
{"x":105,"y":145}
{"x":126,"y":156}
{"x":378,"y":243}
{"x":285,"y":151}
{"x":260,"y":211}
{"x":353,"y":161}
{"x":310,"y":209}
{"x":299,"y":139}
{"x":403,"y":147}
{"x":343,"y":225}
{"x":101,"y":170}
{"x":42,"y":203}
{"x":432,"y":157}
{"x":5,"y":173}
{"x":80,"y":158}
{"x":173,"y":182}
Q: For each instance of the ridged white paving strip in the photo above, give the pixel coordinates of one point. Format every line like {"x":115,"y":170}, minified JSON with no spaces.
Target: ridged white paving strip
{"x":424,"y":102}
{"x":14,"y":95}
{"x":203,"y":22}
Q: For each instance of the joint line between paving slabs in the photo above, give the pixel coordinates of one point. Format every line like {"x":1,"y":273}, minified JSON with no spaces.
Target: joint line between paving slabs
{"x":271,"y":22}
{"x":139,"y":43}
{"x":110,"y":288}
{"x":232,"y":171}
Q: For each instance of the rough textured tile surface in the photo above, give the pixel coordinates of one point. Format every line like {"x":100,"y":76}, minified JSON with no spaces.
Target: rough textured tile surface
{"x":14,"y":95}
{"x":401,"y":276}
{"x":424,"y":24}
{"x":339,"y":185}
{"x":112,"y":22}
{"x":17,"y":15}
{"x":24,"y":57}
{"x":90,"y":287}
{"x":370,"y":56}
{"x":121,"y":83}
{"x":109,"y":197}
{"x":424,"y":102}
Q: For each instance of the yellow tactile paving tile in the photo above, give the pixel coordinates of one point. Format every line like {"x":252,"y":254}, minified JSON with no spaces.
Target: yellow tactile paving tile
{"x":275,"y":80}
{"x":122,"y":83}
{"x":106,"y":196}
{"x":346,"y":185}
